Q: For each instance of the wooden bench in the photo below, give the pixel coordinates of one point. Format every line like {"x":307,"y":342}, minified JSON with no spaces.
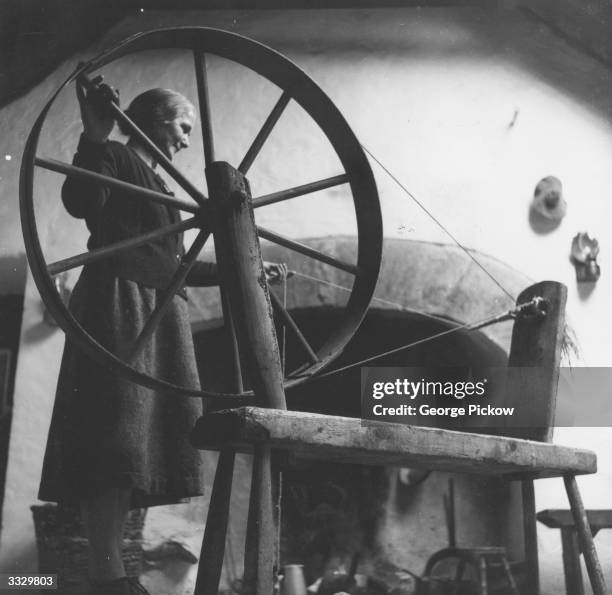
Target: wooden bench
{"x":351,"y":440}
{"x":563,"y":519}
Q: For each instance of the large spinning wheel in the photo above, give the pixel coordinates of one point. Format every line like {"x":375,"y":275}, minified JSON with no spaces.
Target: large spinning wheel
{"x":295,"y":86}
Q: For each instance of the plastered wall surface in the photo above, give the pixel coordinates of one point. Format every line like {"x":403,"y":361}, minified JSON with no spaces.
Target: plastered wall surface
{"x":468,"y":109}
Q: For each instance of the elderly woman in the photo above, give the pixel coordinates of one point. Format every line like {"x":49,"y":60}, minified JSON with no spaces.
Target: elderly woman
{"x":114,"y":444}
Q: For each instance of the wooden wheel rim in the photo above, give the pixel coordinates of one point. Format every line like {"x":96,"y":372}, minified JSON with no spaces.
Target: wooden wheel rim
{"x":287,"y":76}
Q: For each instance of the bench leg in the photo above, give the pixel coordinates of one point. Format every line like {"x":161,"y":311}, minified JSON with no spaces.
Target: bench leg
{"x":458,"y":576}
{"x":509,"y":577}
{"x":259,"y":549}
{"x":571,"y":561}
{"x":277,"y":494}
{"x":530,"y":532}
{"x":213,"y":542}
{"x":585,"y":538}
{"x":482,"y":571}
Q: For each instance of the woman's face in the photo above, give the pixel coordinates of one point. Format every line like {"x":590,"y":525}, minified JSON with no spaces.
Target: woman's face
{"x":173,"y":135}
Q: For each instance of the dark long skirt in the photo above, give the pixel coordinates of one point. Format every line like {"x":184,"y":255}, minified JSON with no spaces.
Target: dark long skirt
{"x":107,"y":431}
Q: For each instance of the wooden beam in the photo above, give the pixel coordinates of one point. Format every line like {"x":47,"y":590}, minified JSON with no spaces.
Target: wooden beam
{"x":586,"y":24}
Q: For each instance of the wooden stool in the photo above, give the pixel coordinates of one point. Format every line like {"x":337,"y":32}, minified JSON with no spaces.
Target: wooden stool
{"x":481,"y":559}
{"x":564,"y":520}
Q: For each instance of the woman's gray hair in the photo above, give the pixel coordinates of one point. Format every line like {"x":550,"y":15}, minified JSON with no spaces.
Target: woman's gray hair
{"x":156,"y":106}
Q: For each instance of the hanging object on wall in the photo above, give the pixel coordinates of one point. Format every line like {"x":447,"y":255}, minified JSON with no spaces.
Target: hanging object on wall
{"x":548,"y":199}
{"x":584,"y":256}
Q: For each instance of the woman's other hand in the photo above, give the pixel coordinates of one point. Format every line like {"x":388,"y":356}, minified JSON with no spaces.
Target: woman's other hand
{"x":276,"y":272}
{"x":96,"y":115}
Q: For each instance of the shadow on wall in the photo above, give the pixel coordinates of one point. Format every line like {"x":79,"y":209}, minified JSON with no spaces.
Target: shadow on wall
{"x":13,"y":559}
{"x":12,"y":286}
{"x":13,"y":272}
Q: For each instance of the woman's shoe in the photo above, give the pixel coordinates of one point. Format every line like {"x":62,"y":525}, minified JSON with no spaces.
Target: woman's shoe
{"x":120,"y":586}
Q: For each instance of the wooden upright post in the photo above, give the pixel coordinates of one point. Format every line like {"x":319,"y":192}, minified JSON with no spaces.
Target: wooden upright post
{"x":242,"y":274}
{"x":533,"y":364}
{"x":533,"y":374}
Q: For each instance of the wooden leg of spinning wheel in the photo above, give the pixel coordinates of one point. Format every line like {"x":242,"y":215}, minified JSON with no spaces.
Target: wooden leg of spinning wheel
{"x":277,"y":480}
{"x":259,"y":549}
{"x":241,"y":272}
{"x":213,"y":542}
{"x":585,"y":537}
{"x":530,"y":532}
{"x":571,"y":561}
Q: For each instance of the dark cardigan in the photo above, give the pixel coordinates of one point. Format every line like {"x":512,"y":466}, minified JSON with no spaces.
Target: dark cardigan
{"x":113,"y":215}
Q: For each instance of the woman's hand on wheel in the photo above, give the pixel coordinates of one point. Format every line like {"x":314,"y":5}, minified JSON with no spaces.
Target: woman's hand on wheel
{"x":276,"y":272}
{"x":96,"y":115}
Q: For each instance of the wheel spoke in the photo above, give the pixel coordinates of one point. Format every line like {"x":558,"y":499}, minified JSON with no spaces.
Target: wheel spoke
{"x":268,"y":199}
{"x":66,"y":264}
{"x":290,"y":323}
{"x":204,"y":102}
{"x":135,"y":191}
{"x":265,"y":131}
{"x":168,"y":295}
{"x":306,"y":250}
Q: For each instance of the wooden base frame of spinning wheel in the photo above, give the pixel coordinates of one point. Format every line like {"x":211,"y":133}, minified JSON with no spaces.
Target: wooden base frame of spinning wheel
{"x":208,"y":216}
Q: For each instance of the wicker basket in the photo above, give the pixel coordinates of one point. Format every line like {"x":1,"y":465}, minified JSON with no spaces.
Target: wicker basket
{"x":63,"y":548}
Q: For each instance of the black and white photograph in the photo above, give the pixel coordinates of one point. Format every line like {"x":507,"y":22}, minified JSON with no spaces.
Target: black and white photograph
{"x":305,"y":297}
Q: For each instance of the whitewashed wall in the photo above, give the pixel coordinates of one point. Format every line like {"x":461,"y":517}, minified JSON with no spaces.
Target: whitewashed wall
{"x":469,"y":109}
